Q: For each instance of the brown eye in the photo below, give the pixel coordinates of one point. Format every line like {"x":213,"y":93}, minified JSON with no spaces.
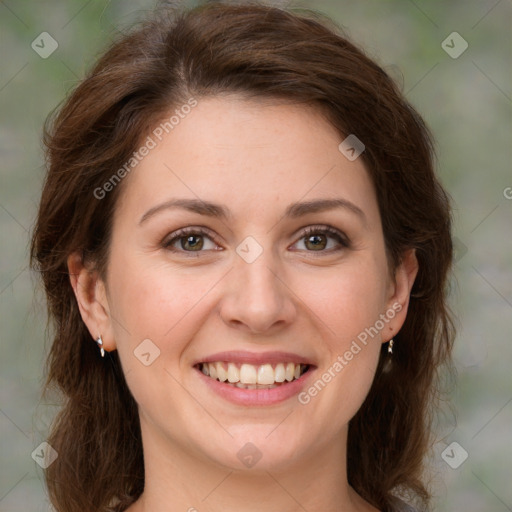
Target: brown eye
{"x":316,"y":242}
{"x":189,"y":240}
{"x":194,"y":242}
{"x":322,"y":239}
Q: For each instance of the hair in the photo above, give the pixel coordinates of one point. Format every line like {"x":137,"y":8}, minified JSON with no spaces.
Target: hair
{"x":259,"y":52}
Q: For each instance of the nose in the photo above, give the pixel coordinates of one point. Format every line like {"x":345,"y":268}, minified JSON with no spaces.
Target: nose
{"x":257,"y":298}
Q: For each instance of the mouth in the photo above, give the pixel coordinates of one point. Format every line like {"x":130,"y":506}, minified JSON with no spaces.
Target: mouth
{"x":249,"y":376}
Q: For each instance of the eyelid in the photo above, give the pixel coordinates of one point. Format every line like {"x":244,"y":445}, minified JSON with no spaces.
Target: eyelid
{"x":183,"y":232}
{"x":327,"y":230}
{"x":324,"y":229}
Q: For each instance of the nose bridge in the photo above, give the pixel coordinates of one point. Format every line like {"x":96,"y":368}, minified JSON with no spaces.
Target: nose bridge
{"x":258,"y":297}
{"x":258,"y":280}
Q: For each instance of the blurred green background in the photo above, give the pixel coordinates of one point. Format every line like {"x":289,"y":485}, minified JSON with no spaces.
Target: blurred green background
{"x":465,"y":100}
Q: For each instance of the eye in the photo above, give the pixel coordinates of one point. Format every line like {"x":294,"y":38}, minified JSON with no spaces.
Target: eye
{"x":314,"y":239}
{"x":320,"y":239}
{"x":190,"y":240}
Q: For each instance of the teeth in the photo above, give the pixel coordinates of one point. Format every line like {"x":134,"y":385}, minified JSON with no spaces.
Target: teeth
{"x":233,"y":373}
{"x":265,"y":374}
{"x":222,"y":374}
{"x":252,"y":386}
{"x":290,"y":371}
{"x":248,"y":376}
{"x":280,"y":373}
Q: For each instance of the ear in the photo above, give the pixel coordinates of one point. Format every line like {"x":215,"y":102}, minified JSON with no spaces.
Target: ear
{"x":400,"y":291}
{"x":91,"y":296}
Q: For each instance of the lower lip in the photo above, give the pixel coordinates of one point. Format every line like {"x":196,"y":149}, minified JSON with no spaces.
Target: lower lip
{"x":271,"y":396}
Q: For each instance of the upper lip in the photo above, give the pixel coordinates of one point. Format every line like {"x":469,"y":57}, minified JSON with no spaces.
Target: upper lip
{"x":259,"y":358}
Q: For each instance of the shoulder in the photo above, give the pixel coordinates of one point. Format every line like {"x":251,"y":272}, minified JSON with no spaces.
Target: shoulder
{"x":398,"y":505}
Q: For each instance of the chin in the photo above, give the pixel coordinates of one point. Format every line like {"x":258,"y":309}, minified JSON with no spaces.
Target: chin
{"x":258,"y":452}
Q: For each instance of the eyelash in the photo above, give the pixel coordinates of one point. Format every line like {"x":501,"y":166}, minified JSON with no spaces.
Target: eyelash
{"x":310,"y":230}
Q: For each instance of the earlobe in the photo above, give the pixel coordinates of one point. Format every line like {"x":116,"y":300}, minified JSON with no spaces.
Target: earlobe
{"x":91,"y":297}
{"x":404,"y":277}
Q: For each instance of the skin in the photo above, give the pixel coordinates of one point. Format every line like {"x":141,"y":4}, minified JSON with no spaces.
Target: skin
{"x":255,"y":158}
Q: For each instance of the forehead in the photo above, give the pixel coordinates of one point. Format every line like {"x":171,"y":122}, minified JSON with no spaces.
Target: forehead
{"x":249,"y":155}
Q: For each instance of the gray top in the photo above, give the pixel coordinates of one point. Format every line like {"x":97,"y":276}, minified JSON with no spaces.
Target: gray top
{"x":400,"y":506}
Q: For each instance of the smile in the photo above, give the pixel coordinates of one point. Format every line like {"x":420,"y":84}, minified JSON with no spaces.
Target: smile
{"x":248,"y":376}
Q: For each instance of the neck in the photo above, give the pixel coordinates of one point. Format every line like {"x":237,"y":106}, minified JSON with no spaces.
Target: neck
{"x":177,"y":479}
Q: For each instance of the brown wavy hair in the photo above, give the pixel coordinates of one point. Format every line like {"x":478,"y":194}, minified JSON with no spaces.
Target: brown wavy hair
{"x":256,"y":51}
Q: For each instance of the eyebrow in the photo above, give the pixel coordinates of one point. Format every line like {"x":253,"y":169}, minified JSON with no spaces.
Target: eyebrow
{"x":294,"y":210}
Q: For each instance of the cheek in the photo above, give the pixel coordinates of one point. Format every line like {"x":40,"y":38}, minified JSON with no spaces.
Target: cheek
{"x":348,"y":305}
{"x":153,"y":299}
{"x":347,"y":301}
{"x":154,"y":314}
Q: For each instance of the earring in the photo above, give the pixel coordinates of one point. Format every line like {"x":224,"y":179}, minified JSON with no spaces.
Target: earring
{"x":390,"y":346}
{"x":99,"y":341}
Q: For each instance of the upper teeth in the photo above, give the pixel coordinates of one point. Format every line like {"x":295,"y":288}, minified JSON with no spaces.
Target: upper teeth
{"x":250,"y":374}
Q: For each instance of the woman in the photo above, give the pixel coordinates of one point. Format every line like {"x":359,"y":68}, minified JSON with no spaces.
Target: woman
{"x":245,"y":251}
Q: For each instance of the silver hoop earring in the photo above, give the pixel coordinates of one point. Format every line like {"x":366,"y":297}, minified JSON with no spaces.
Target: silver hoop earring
{"x":99,"y":341}
{"x":390,"y":347}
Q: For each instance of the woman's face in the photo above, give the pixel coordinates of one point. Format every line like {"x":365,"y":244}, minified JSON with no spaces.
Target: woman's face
{"x":282,"y":261}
